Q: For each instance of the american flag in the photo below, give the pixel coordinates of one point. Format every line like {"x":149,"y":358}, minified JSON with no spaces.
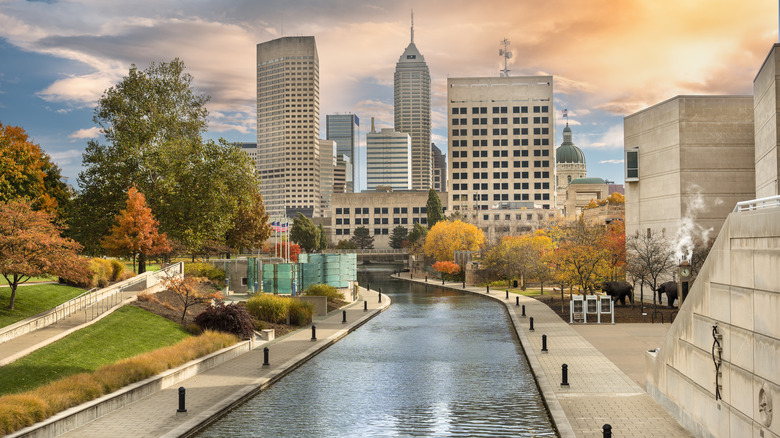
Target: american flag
{"x":566,"y":113}
{"x":284,"y":228}
{"x":275,"y":226}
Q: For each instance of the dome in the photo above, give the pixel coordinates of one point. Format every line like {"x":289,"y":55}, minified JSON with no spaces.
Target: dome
{"x":588,"y":181}
{"x":567,"y":152}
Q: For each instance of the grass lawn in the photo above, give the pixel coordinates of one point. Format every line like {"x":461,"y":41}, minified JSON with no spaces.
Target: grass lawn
{"x":125,"y":333}
{"x":32,"y":300}
{"x":32,"y":280}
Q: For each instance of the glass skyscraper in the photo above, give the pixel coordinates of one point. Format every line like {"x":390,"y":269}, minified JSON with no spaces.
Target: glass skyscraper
{"x":344,"y":129}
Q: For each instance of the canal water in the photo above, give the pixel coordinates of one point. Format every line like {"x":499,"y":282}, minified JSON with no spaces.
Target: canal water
{"x":436,"y":363}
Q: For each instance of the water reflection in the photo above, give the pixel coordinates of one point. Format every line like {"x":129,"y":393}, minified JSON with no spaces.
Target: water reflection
{"x":436,"y":363}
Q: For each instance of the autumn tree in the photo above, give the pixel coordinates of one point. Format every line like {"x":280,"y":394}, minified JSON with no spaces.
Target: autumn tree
{"x":416,"y":238}
{"x":26,"y":171}
{"x":153,"y":122}
{"x":189,"y":291}
{"x":305,"y":233}
{"x":346,"y":244}
{"x":250,"y":226}
{"x":447,"y":237}
{"x":434,"y":208}
{"x":398,"y":237}
{"x":31,"y":246}
{"x":581,"y":254}
{"x":649,"y":255}
{"x":616,"y":249}
{"x":519,"y":256}
{"x":362,"y":238}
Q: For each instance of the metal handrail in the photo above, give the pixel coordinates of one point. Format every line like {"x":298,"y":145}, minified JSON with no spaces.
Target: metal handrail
{"x":757,"y":204}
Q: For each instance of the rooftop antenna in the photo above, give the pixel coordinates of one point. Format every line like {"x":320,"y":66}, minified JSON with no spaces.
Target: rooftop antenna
{"x":282,"y":23}
{"x":412,"y":26}
{"x":506,"y":54}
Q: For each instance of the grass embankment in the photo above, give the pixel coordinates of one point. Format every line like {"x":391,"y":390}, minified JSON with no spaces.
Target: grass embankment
{"x":32,"y":280}
{"x":124,"y":334}
{"x":32,"y":300}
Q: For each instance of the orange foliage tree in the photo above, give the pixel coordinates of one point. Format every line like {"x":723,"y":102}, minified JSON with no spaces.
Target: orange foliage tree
{"x":190,"y":290}
{"x":135,"y":233}
{"x":520,"y":256}
{"x":446,"y":237}
{"x":616,"y":248}
{"x":31,"y":246}
{"x":281,"y":249}
{"x":446,"y":267}
{"x":581,"y":254}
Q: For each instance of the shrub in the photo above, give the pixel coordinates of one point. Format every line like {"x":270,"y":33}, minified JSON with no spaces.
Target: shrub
{"x":301,"y":312}
{"x":204,"y":270}
{"x":101,"y":272}
{"x":451,"y":268}
{"x":324,"y":290}
{"x":117,"y":270}
{"x":270,"y":308}
{"x":231,"y":318}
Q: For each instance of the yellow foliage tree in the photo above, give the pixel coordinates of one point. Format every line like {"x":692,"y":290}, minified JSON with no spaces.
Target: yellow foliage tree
{"x":446,"y":237}
{"x":520,"y":256}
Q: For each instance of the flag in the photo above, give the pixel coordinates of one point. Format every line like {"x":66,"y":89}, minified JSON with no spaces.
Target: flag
{"x":275,"y":226}
{"x":285,"y":228}
{"x":566,"y":113}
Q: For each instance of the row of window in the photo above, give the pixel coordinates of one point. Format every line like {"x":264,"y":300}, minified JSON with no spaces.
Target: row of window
{"x":499,"y":131}
{"x":500,"y":175}
{"x":498,"y":196}
{"x":500,"y":120}
{"x":498,"y":164}
{"x":499,"y":153}
{"x":501,"y":109}
{"x":496,"y":186}
{"x":383,"y":210}
{"x":502,"y":142}
{"x":382,"y":221}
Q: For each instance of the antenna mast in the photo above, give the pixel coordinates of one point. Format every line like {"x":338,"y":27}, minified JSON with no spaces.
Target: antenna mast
{"x":506,"y":54}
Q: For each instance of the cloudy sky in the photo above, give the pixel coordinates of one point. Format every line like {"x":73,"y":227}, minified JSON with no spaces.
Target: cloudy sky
{"x":609,"y":58}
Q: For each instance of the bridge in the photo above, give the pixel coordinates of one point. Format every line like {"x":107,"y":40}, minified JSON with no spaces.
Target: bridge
{"x":374,"y":256}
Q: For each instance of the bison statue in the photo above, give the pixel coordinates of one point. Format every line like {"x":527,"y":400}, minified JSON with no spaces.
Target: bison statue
{"x":670,"y":289}
{"x":619,"y":290}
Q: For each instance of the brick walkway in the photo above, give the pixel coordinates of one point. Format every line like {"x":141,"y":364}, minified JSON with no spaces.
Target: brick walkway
{"x":598,"y":393}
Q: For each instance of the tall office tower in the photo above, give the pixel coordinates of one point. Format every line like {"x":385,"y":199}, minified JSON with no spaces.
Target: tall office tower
{"x":412,"y":104}
{"x":288,"y":125}
{"x":327,"y":167}
{"x":439,"y":167}
{"x":388,"y":153}
{"x":341,"y":173}
{"x":501,"y":143}
{"x":344,"y":129}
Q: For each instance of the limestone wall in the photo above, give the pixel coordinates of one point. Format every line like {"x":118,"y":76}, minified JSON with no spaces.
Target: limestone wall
{"x":737,"y":290}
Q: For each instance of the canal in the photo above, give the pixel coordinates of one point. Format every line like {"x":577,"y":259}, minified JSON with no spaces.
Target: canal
{"x":436,"y":363}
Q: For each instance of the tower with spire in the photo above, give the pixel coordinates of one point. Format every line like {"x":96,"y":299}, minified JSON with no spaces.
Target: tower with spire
{"x":412,"y":106}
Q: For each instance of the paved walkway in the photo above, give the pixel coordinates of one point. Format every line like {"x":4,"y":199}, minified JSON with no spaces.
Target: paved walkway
{"x":228,"y":384}
{"x":598,"y":393}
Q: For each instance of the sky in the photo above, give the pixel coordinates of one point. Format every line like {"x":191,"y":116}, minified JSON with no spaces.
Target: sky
{"x":608,"y":58}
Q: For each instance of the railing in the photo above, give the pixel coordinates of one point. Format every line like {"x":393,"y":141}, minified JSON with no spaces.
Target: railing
{"x":757,"y":204}
{"x":72,"y":306}
{"x":366,"y":251}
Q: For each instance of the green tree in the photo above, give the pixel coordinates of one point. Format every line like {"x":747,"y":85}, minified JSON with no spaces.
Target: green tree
{"x":27,"y":172}
{"x":417,"y":238}
{"x":400,"y":233}
{"x":323,"y":239}
{"x":31,"y":246}
{"x":250,"y":226}
{"x":346,"y":244}
{"x":434,"y":207}
{"x":362,"y":238}
{"x":153,"y":122}
{"x":305,"y":233}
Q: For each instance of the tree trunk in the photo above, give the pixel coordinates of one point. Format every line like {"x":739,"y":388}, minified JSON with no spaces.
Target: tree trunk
{"x":13,"y":294}
{"x":134,"y":271}
{"x":141,"y":263}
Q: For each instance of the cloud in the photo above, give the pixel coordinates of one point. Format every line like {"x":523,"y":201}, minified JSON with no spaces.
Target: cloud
{"x":64,"y":158}
{"x":86,"y":133}
{"x":611,"y":162}
{"x":612,"y":139}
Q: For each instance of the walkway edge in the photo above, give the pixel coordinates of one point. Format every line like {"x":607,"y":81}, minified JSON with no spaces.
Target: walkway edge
{"x":206,"y":418}
{"x":560,"y":421}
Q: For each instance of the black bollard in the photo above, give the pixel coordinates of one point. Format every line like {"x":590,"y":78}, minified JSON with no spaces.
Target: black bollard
{"x":313,"y":332}
{"x":607,"y":430}
{"x":464,"y":284}
{"x":426,"y":278}
{"x":410,"y":275}
{"x":532,"y":324}
{"x":442,"y":281}
{"x":365,"y":306}
{"x":518,"y":300}
{"x":544,"y":343}
{"x":368,"y":287}
{"x":517,"y":303}
{"x":182,"y":396}
{"x":265,"y":357}
{"x":565,"y":375}
{"x":507,"y":294}
{"x":487,"y":289}
{"x":343,"y":316}
{"x":380,"y":294}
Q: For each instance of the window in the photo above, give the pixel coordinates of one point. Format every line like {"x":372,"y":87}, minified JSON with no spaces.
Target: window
{"x":384,"y":221}
{"x":384,"y":210}
{"x":416,"y":210}
{"x":346,"y":231}
{"x":338,"y":211}
{"x":632,"y":165}
{"x":338,"y":231}
{"x":346,"y":211}
{"x":396,"y":221}
{"x":396,"y":210}
{"x":377,"y":221}
{"x":404,"y":210}
{"x":377,"y":210}
{"x":454,"y":111}
{"x":338,"y":221}
{"x":377,"y":231}
{"x":346,"y":221}
{"x":384,"y":231}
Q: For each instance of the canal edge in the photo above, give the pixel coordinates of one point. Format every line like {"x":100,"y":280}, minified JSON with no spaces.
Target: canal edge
{"x":222,"y":408}
{"x":558,"y":417}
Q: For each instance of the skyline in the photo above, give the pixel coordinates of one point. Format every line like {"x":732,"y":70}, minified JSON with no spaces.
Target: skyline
{"x":607,"y":61}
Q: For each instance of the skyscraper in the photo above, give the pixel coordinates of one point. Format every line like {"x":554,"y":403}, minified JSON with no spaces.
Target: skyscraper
{"x":412,"y":105}
{"x":327,"y":167}
{"x":288,"y":125}
{"x":439,"y":168}
{"x":387,"y":159}
{"x":344,"y":129}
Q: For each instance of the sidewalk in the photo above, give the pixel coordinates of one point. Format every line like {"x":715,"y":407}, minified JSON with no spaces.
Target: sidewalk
{"x":226,"y":385}
{"x":598,"y":393}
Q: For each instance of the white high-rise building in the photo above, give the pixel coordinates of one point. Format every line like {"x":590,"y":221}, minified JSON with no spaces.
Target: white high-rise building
{"x":288,"y":125}
{"x":388,"y":153}
{"x":412,"y":105}
{"x":501,"y":154}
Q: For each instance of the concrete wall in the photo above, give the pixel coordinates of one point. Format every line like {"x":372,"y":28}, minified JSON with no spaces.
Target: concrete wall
{"x":738,"y":289}
{"x":766,"y":92}
{"x":690,"y":147}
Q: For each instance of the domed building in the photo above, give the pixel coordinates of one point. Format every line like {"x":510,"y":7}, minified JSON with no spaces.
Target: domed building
{"x":569,"y":164}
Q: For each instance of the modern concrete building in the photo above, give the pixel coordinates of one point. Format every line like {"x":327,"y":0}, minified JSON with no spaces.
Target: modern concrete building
{"x":327,"y":167}
{"x":767,"y":134}
{"x":439,"y":166}
{"x":380,"y":211}
{"x":412,"y":105}
{"x":569,"y":165}
{"x":388,"y":154}
{"x":251,"y":150}
{"x":341,"y":173}
{"x":344,"y":129}
{"x":501,"y":153}
{"x":288,"y":125}
{"x":688,"y":157}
